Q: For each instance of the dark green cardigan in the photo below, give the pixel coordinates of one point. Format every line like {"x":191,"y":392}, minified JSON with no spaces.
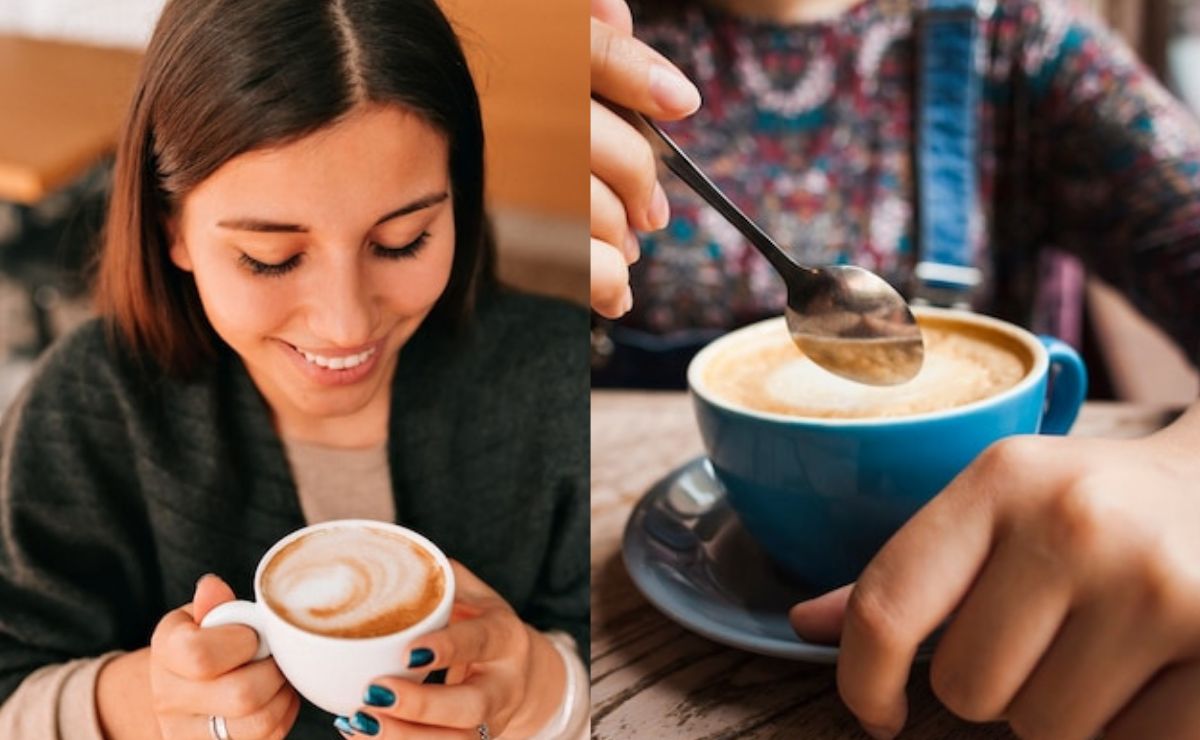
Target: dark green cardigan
{"x":119,"y":487}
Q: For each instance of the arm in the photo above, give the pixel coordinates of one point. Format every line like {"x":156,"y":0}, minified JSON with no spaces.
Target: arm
{"x":1119,"y":160}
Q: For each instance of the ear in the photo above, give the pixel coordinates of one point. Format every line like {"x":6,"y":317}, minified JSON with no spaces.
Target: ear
{"x":178,"y":250}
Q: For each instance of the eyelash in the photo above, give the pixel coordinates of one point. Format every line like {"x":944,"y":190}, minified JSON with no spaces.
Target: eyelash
{"x":265,"y":269}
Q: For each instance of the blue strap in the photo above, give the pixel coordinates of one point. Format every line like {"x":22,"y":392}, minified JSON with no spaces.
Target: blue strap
{"x":948,"y":104}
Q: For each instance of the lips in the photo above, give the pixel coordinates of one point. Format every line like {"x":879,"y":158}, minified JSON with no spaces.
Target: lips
{"x":345,"y":362}
{"x":335,"y":367}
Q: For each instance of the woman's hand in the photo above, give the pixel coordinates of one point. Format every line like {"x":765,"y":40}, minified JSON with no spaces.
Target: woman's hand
{"x":1069,"y":571}
{"x":195,"y":673}
{"x":625,"y":190}
{"x":501,"y":673}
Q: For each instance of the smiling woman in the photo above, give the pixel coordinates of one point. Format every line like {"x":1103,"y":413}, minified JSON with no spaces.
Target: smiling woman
{"x":298,"y":323}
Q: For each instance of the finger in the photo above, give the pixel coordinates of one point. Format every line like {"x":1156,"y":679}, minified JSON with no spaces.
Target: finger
{"x":820,"y":619}
{"x":373,"y":724}
{"x":1166,"y":709}
{"x":464,"y":705}
{"x":629,"y":73}
{"x":615,"y":13}
{"x":211,"y":591}
{"x":1101,"y":657}
{"x":270,"y":721}
{"x":916,"y":580}
{"x":609,"y":221}
{"x":1004,"y":626}
{"x":623,"y":159}
{"x":199,"y":654}
{"x":239,"y":693}
{"x":495,"y":635}
{"x":611,"y":295}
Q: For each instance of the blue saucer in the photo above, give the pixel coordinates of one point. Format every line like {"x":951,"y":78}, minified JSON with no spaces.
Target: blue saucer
{"x":689,"y":555}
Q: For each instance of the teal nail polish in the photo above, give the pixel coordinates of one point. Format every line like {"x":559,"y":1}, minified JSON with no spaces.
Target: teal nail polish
{"x":379,"y":696}
{"x":342,"y":725}
{"x":420,"y":657}
{"x":365,"y":723}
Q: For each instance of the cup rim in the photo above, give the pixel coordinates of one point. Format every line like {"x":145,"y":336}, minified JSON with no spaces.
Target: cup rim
{"x":1036,"y":372}
{"x":426,"y":622}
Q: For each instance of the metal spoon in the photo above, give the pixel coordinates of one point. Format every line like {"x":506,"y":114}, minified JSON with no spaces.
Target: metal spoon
{"x":846,"y":319}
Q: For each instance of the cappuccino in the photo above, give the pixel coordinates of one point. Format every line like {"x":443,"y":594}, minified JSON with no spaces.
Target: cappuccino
{"x":353,"y":582}
{"x":765,"y":371}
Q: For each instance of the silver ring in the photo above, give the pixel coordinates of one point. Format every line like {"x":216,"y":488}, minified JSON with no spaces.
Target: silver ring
{"x":217,"y":728}
{"x":483,"y":732}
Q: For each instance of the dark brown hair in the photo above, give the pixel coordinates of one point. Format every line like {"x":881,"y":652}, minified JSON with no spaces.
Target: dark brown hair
{"x":224,"y":77}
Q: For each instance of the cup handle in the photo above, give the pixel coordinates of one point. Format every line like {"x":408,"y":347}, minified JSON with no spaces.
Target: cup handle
{"x":1067,"y":387}
{"x":240,"y":612}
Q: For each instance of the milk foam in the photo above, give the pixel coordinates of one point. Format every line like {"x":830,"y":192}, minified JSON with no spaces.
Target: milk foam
{"x":342,"y":580}
{"x":768,"y":373}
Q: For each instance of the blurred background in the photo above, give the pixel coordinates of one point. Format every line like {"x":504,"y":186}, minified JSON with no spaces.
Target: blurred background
{"x":67,"y":68}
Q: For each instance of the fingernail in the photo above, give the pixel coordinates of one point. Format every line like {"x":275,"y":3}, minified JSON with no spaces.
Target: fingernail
{"x":879,"y":733}
{"x":201,"y":578}
{"x":660,"y":210}
{"x":342,"y":725}
{"x":672,"y":90}
{"x":633,"y":248}
{"x":379,"y":696}
{"x":627,"y":301}
{"x":365,"y":723}
{"x":420,"y":657}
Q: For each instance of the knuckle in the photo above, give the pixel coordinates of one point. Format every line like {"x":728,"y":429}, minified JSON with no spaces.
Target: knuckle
{"x":869,"y":614}
{"x":413,"y":704}
{"x":242,"y":699}
{"x":1158,"y":587}
{"x":645,"y":167}
{"x":1009,"y":455}
{"x":192,"y":658}
{"x":1027,"y":728}
{"x":259,"y":724}
{"x":957,"y":692}
{"x":1079,"y":519}
{"x":606,"y":47}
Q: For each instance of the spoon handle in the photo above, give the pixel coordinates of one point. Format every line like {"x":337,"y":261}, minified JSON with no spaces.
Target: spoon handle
{"x":683,"y":167}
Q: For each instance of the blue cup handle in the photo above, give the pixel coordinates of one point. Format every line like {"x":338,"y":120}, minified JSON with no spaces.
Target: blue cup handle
{"x":1066,"y":387}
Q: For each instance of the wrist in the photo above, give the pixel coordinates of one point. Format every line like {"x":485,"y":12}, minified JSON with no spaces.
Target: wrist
{"x":124,"y":704}
{"x":546,"y":692}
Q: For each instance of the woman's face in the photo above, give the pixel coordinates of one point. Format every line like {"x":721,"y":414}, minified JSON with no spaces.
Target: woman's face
{"x":317,"y":260}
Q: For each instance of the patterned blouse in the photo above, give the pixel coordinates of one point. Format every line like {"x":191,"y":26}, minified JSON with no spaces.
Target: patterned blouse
{"x":809,"y":127}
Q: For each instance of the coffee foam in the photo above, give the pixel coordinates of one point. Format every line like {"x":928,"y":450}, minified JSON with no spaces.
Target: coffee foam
{"x":767,"y":372}
{"x":353,"y":582}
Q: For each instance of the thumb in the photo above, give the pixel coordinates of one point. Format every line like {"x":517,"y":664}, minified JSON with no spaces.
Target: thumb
{"x":820,"y":619}
{"x":211,"y":591}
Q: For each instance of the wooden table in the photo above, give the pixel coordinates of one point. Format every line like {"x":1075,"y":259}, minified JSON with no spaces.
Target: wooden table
{"x":654,"y":679}
{"x":62,"y":108}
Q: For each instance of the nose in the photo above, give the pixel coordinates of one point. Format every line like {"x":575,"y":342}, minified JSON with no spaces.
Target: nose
{"x":342,"y":308}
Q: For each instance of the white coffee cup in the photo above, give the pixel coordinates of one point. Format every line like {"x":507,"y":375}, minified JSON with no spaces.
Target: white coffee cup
{"x":333,"y":672}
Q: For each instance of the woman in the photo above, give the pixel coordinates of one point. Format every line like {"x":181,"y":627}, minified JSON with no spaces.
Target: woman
{"x":1064,"y":567}
{"x":299,"y":323}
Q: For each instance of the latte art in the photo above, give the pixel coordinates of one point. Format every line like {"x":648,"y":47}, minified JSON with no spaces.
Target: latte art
{"x":766,"y":372}
{"x":352,"y":582}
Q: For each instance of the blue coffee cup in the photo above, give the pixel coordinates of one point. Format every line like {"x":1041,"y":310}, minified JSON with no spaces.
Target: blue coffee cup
{"x":822,"y":495}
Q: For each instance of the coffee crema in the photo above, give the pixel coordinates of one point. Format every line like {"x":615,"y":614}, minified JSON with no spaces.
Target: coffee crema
{"x":963,"y":363}
{"x":353,"y":582}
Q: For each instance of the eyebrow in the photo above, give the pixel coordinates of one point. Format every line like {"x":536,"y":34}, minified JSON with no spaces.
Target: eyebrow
{"x":273,"y":227}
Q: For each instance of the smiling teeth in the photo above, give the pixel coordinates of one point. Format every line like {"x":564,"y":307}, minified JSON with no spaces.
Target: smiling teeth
{"x":338,"y":363}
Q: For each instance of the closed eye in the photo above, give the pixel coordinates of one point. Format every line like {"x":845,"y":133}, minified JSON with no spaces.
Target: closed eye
{"x":396,"y":253}
{"x":270,"y":269}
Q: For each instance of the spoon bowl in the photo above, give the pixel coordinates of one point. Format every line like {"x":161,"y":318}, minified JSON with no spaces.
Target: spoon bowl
{"x":844,"y":318}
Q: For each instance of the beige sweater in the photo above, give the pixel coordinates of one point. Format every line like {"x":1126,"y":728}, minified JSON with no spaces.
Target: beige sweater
{"x":57,"y":702}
